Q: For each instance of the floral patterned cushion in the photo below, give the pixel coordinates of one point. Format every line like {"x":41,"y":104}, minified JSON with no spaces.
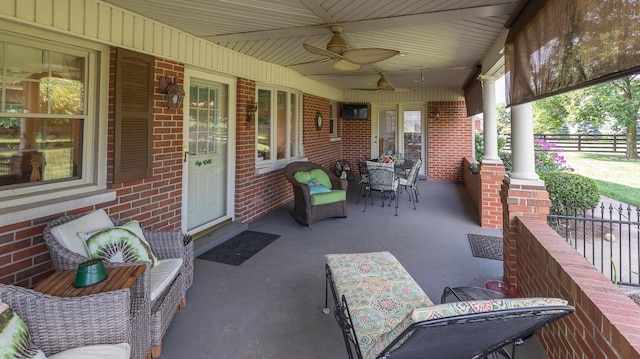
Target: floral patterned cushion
{"x":380,"y":294}
{"x":384,"y":299}
{"x":469,"y":307}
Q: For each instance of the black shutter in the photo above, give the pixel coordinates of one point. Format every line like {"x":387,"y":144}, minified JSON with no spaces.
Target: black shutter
{"x":133,"y":158}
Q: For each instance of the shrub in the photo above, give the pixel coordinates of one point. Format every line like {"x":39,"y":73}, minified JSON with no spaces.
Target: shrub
{"x":570,"y":191}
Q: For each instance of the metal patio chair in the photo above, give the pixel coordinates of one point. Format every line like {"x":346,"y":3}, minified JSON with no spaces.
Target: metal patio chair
{"x":382,"y":178}
{"x":410,"y":181}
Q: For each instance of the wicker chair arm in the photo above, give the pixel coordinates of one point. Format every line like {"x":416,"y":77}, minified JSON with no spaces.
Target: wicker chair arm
{"x":58,"y":324}
{"x":165,"y":243}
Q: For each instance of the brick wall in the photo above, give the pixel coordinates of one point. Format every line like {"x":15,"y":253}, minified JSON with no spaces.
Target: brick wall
{"x":356,"y":139}
{"x":491,"y":177}
{"x":449,"y":140}
{"x":317,"y":145}
{"x":519,"y":199}
{"x":605,"y":323}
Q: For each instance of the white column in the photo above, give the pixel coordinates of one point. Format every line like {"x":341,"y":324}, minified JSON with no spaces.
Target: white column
{"x":490,"y":120}
{"x":522,"y":150}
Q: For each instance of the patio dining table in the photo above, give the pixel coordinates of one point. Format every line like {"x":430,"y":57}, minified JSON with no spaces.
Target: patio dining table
{"x":402,"y":166}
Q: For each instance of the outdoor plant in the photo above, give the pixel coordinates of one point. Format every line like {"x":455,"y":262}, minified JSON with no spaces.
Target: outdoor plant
{"x":549,"y":157}
{"x":570,"y":191}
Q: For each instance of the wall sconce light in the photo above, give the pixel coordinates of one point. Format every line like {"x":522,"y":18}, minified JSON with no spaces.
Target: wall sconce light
{"x":251,"y":111}
{"x":436,"y":113}
{"x":175,"y":92}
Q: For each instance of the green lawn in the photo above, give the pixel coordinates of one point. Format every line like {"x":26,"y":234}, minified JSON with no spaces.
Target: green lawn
{"x":615,"y":176}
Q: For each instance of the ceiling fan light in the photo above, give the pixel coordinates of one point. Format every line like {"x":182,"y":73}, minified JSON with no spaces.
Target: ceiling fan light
{"x":368,"y":56}
{"x":343,"y":65}
{"x":383,"y":83}
{"x":337,"y":45}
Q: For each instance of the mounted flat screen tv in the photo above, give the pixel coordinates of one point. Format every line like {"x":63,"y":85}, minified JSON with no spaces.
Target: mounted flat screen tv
{"x":355,"y":112}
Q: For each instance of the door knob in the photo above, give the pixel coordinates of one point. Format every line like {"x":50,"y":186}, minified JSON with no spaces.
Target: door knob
{"x":185,"y":153}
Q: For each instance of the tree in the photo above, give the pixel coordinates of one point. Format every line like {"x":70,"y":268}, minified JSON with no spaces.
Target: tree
{"x":503,"y":119}
{"x":591,"y":107}
{"x":550,"y":114}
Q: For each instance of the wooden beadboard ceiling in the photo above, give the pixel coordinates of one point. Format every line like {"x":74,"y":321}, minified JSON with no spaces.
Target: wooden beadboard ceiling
{"x":441,"y":41}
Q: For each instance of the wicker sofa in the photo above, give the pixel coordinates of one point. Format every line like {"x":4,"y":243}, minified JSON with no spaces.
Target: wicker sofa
{"x":63,"y":326}
{"x":168,"y":246}
{"x":311,"y":207}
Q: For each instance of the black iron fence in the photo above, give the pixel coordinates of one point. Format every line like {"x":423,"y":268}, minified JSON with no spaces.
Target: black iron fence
{"x":609,"y":237}
{"x":583,"y":143}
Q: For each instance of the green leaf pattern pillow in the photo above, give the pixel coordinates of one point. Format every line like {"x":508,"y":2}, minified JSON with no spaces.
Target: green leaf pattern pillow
{"x":119,"y":244}
{"x":15,"y":339}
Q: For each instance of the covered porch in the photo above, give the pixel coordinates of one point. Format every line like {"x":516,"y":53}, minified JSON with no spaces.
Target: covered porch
{"x":271,"y":305}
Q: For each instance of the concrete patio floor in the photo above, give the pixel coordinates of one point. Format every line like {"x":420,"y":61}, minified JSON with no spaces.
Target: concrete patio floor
{"x":271,"y":305}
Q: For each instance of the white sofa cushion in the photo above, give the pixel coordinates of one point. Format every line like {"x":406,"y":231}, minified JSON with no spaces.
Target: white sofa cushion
{"x":67,"y":233}
{"x":100,"y":351}
{"x":162,"y":275}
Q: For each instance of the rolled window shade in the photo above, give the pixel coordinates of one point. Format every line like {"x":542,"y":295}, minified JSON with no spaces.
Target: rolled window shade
{"x":555,"y":46}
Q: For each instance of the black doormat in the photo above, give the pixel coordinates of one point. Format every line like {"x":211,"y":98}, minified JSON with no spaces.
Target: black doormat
{"x":239,"y":248}
{"x":486,"y":246}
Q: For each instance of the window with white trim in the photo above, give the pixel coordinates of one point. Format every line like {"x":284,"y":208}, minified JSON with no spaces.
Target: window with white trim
{"x":277,"y":126}
{"x":48,"y":119}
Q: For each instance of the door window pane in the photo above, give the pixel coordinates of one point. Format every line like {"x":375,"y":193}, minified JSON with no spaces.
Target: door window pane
{"x":412,"y":135}
{"x":387,"y":132}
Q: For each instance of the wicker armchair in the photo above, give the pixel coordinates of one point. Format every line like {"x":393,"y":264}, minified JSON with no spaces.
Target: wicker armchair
{"x":305,"y":213}
{"x":57,"y":324}
{"x":164,"y":245}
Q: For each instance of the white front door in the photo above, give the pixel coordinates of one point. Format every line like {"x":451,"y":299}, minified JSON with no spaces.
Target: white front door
{"x":208,"y":166}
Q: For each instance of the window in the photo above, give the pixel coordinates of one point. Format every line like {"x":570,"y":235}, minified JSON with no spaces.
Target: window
{"x":278,"y":126}
{"x":48,"y":102}
{"x":333,"y":119}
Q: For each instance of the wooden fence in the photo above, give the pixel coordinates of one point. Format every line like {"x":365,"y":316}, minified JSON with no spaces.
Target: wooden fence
{"x":583,"y":143}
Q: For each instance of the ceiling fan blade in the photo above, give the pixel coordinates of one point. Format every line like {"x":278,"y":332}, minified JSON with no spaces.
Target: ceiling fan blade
{"x":344,"y":65}
{"x":309,"y":62}
{"x":400,"y":90}
{"x":368,"y":56}
{"x":320,"y":51}
{"x":359,"y":89}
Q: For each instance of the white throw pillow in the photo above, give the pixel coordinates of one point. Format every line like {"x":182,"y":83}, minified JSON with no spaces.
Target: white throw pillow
{"x":67,"y":233}
{"x":100,"y":351}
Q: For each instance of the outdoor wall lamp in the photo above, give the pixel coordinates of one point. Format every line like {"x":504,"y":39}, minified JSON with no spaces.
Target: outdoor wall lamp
{"x":251,"y":111}
{"x":175,"y":92}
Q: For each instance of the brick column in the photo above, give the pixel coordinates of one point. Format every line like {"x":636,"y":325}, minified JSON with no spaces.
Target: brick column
{"x":491,"y":177}
{"x":519,"y":198}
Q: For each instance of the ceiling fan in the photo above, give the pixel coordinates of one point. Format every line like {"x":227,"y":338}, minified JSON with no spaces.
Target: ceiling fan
{"x":383,"y":85}
{"x":346,"y":59}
